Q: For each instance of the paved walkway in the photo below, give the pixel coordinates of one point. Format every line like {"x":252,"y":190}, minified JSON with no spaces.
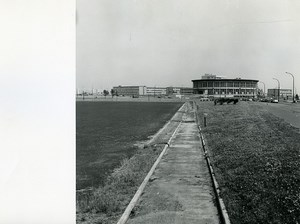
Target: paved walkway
{"x":180,"y":190}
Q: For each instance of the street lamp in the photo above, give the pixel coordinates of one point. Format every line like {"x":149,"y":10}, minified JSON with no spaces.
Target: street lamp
{"x":278,"y":87}
{"x":264,"y":88}
{"x":293,"y":85}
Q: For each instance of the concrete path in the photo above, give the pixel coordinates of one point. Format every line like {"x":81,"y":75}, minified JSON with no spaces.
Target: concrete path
{"x":180,"y":190}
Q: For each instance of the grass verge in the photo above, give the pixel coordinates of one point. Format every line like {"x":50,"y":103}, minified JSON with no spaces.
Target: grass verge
{"x":256,"y":157}
{"x":106,"y":203}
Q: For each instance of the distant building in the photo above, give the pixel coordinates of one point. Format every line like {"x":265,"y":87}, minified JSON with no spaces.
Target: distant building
{"x":186,"y":91}
{"x":210,"y":76}
{"x":134,"y":91}
{"x":179,"y":91}
{"x":211,"y":85}
{"x":173,"y":90}
{"x":156,"y":91}
{"x":283,"y":93}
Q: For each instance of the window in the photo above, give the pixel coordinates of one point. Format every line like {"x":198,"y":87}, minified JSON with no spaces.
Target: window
{"x":216,"y":84}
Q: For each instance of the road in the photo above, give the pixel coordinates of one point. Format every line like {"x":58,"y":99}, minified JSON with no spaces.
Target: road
{"x":288,"y":111}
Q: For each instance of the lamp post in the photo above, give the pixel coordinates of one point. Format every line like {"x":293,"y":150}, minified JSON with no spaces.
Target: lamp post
{"x":264,"y":88}
{"x":293,"y":85}
{"x":278,"y":87}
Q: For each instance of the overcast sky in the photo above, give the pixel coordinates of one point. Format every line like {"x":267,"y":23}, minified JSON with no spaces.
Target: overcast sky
{"x":171,"y":42}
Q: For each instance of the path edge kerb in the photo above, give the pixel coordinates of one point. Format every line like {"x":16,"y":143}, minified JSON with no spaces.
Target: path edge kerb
{"x":220,"y":203}
{"x":134,"y":200}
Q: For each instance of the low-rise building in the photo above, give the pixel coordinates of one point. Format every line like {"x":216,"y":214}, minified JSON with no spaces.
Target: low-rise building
{"x":156,"y":91}
{"x":283,"y":93}
{"x":179,"y":91}
{"x":214,"y":86}
{"x":173,"y":90}
{"x":134,"y":91}
{"x":186,"y":91}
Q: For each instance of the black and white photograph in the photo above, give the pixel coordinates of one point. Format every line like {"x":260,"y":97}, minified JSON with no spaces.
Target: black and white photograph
{"x":187,"y":112}
{"x":150,"y":112}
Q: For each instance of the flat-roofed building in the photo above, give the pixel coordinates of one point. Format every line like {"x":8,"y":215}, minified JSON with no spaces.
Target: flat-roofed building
{"x":221,"y":87}
{"x":186,"y":91}
{"x":283,"y":93}
{"x":179,"y":90}
{"x":156,"y":91}
{"x":173,"y":90}
{"x":130,"y":90}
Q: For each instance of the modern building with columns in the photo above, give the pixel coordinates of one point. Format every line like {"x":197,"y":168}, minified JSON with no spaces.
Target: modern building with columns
{"x":214,"y":86}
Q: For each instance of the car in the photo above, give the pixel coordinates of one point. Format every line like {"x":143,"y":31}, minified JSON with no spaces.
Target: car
{"x":264,"y":100}
{"x":274,"y":101}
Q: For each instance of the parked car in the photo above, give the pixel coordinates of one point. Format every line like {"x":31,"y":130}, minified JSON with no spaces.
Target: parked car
{"x":274,"y":101}
{"x":264,"y":100}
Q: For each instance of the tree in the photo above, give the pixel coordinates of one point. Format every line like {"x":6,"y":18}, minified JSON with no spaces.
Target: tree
{"x":105,"y":93}
{"x":112,"y":92}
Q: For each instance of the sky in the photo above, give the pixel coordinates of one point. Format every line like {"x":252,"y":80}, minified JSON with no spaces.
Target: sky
{"x":171,"y":42}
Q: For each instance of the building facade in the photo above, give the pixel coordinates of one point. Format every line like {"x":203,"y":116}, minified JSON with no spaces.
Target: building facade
{"x":173,"y":90}
{"x":156,"y":91}
{"x":221,"y":87}
{"x":179,"y":91}
{"x":186,"y":91}
{"x":134,"y":91}
{"x":283,"y":93}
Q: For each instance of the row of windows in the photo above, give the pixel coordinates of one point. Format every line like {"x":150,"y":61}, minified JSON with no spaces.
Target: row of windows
{"x":224,"y":84}
{"x":230,"y":91}
{"x":127,"y":91}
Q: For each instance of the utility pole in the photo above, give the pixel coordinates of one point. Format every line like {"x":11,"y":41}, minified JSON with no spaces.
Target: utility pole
{"x":293,"y":85}
{"x":278,"y":88}
{"x":264,"y":88}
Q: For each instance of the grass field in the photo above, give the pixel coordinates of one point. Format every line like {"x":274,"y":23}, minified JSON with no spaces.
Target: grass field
{"x":256,"y":157}
{"x":106,"y":133}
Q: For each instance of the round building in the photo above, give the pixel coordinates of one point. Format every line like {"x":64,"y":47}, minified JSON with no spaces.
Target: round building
{"x":213,"y":86}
